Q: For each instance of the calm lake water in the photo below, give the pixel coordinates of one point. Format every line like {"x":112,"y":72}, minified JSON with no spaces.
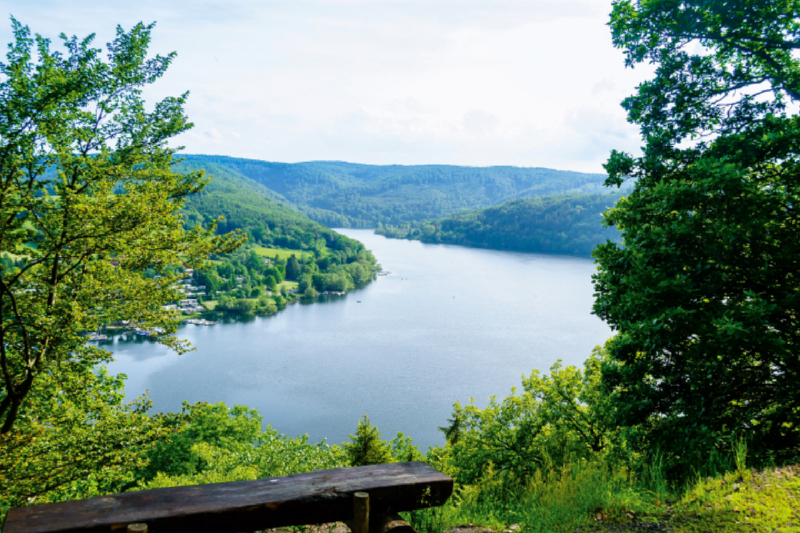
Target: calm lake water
{"x":449,"y":324}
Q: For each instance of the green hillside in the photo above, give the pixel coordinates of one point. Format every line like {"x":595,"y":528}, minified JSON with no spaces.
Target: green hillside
{"x":285,"y":248}
{"x":561,"y":224}
{"x":340,"y":194}
{"x":266,"y":216}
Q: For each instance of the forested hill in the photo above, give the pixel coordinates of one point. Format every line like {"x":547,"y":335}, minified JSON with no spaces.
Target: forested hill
{"x":561,"y":224}
{"x":267,"y":218}
{"x":341,"y":194}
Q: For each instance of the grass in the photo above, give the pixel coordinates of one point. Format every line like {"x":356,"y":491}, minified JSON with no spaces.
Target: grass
{"x":747,"y":500}
{"x":288,"y":284}
{"x":565,"y":500}
{"x":591,"y":498}
{"x":282,"y":254}
{"x":210,"y":304}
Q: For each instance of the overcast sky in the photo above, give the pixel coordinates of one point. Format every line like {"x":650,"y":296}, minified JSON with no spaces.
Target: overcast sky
{"x":482,"y":82}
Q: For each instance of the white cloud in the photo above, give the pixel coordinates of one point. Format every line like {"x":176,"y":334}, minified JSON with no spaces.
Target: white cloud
{"x":479,"y":123}
{"x":479,"y":82}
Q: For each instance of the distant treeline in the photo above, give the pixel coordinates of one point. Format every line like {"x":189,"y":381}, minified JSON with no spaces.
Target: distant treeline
{"x":341,"y":194}
{"x":563,"y":224}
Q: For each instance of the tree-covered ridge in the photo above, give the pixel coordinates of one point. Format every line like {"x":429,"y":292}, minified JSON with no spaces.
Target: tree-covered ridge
{"x":342,"y":194}
{"x":245,"y":281}
{"x":243,"y":203}
{"x":562,"y":224}
{"x":265,"y":216}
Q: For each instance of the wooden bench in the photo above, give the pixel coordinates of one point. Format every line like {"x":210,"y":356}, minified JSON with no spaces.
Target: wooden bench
{"x":241,"y":506}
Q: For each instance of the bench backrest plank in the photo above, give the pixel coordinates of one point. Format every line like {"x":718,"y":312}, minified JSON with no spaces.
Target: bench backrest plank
{"x":309,"y":498}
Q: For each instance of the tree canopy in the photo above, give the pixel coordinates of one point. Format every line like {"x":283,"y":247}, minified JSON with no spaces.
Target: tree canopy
{"x":704,"y":292}
{"x":88,"y":202}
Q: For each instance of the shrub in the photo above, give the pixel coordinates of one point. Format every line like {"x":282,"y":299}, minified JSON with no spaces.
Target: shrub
{"x":366,"y":447}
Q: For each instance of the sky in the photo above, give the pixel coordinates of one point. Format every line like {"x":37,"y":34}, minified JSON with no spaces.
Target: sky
{"x":533,"y":83}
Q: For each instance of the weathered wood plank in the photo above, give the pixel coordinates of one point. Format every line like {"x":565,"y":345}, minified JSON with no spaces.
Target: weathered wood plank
{"x":310,"y":498}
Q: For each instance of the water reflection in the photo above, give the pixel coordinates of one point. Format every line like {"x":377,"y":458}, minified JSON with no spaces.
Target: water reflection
{"x":449,"y":324}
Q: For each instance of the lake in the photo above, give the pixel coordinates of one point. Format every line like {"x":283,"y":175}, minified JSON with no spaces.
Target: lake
{"x":449,"y":324}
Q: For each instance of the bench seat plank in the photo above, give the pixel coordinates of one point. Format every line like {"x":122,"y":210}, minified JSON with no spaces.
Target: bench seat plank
{"x":309,"y":498}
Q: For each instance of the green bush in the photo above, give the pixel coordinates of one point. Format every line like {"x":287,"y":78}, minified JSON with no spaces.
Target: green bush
{"x":227,"y":444}
{"x":310,"y":293}
{"x":558,"y":419}
{"x":366,"y":446}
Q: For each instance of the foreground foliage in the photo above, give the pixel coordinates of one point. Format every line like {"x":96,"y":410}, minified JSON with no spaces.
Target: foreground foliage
{"x":545,"y":459}
{"x":557,"y":419}
{"x":550,"y":459}
{"x":705,"y":292}
{"x":87,"y":203}
{"x":76,"y":438}
{"x":217,"y":444}
{"x":591,"y":497}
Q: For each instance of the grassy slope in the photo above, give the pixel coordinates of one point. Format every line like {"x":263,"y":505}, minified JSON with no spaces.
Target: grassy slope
{"x":741,"y":501}
{"x":745,"y":501}
{"x":338,"y":193}
{"x":588,"y":499}
{"x":283,"y":254}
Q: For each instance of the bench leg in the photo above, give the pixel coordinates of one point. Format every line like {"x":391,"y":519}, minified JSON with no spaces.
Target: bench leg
{"x":361,"y":512}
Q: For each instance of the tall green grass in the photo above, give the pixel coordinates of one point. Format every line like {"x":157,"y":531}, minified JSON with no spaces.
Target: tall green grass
{"x":554,"y":500}
{"x":599,"y":495}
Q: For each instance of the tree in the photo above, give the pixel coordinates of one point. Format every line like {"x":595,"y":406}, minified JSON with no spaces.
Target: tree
{"x":68,"y":444}
{"x":366,"y":446}
{"x":88,"y":202}
{"x":310,"y":293}
{"x":292,"y":268}
{"x":556,"y":419}
{"x":220,"y":444}
{"x":705,"y":291}
{"x":254,"y":261}
{"x":214,"y":424}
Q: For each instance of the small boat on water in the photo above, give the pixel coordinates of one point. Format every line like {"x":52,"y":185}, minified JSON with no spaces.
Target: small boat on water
{"x":200,"y":322}
{"x":145,"y":333}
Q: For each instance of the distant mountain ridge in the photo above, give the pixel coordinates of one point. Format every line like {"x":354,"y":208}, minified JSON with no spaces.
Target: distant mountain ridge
{"x":340,"y":194}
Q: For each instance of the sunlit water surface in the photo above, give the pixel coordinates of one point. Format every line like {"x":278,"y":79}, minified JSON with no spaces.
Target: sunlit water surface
{"x":449,"y":324}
